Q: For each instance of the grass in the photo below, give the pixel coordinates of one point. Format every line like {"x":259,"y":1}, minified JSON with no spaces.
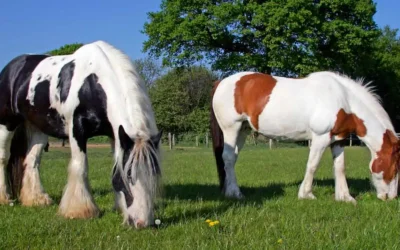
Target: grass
{"x":271,"y":216}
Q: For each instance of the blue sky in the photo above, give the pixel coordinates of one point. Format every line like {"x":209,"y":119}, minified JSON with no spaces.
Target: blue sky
{"x":38,"y":26}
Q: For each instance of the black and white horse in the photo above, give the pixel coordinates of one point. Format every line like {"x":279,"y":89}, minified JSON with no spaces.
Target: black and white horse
{"x":95,"y":91}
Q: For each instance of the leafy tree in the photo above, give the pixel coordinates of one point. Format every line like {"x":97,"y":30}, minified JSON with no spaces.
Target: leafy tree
{"x":288,"y":37}
{"x":181,"y":99}
{"x":384,"y":71}
{"x":66,"y":49}
{"x":149,"y":70}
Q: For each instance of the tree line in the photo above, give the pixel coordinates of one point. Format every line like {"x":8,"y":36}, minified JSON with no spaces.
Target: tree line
{"x":284,"y":37}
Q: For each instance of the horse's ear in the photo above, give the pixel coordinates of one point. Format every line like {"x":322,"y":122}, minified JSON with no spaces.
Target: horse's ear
{"x":156,"y":138}
{"x":125,"y":141}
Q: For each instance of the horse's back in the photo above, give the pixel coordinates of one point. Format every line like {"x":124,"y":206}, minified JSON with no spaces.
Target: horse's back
{"x":52,"y":91}
{"x":279,"y":106}
{"x":14,"y":83}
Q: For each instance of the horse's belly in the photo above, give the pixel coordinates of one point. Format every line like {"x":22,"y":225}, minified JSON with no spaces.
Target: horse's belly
{"x":284,"y":127}
{"x":285,"y":119}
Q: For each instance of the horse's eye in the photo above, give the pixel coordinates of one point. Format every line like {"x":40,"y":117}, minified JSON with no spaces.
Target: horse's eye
{"x":129,"y":173}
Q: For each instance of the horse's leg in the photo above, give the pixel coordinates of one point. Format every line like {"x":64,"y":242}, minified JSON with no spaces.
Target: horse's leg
{"x":318,"y":146}
{"x":341,"y":189}
{"x":77,"y":201}
{"x":244,"y":132}
{"x":32,"y":192}
{"x":5,"y":144}
{"x":229,"y":155}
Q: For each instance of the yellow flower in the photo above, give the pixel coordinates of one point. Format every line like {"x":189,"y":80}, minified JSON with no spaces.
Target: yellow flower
{"x":208,"y":221}
{"x":211,"y":224}
{"x":280,"y":241}
{"x":216,"y":222}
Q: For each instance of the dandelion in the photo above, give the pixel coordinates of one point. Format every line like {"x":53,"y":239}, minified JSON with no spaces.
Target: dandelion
{"x":158,"y":222}
{"x":211,"y":224}
{"x":208,"y":221}
{"x":11,"y":204}
{"x":280,"y":241}
{"x":117,"y":237}
{"x":216,"y":222}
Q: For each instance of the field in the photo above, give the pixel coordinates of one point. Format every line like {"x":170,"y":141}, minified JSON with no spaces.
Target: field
{"x":271,"y":216}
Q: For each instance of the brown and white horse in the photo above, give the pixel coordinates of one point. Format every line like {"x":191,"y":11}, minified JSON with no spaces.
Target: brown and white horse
{"x":324,"y":107}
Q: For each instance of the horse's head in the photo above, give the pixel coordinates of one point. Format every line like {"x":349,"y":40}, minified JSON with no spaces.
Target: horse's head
{"x":135,"y":177}
{"x":385,"y":166}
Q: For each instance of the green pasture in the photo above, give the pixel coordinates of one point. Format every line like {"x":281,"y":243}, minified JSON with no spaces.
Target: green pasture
{"x":271,"y":216}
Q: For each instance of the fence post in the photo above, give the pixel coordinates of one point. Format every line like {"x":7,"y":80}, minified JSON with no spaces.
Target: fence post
{"x":309,"y":143}
{"x":351,"y":140}
{"x":270,"y":143}
{"x":173,"y":140}
{"x":197,"y":140}
{"x":207,"y":139}
{"x":170,"y":141}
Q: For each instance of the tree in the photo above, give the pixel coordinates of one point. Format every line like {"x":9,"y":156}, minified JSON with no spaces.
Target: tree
{"x":66,"y":49}
{"x":149,"y":70}
{"x":287,"y":37}
{"x":181,"y":99}
{"x":384,"y":71}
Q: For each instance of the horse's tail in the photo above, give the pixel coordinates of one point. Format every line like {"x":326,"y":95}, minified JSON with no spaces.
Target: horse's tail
{"x":218,"y":141}
{"x":15,"y":166}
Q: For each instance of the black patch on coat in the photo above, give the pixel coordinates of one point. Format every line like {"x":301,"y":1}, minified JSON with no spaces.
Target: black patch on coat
{"x":90,"y":116}
{"x":64,"y":80}
{"x":127,"y":145}
{"x":47,"y":119}
{"x":14,"y":82}
{"x":119,"y":186}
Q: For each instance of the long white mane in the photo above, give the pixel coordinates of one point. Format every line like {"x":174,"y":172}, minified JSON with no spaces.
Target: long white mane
{"x":134,"y":90}
{"x":364,"y":92}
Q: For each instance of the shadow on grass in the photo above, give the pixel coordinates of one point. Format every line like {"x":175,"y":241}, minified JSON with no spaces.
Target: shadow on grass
{"x":356,"y":186}
{"x":253,"y":195}
{"x":212,"y":192}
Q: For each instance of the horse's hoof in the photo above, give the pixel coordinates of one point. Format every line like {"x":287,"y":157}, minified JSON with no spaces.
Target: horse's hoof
{"x":234,"y":194}
{"x":383,"y":197}
{"x":38,"y":200}
{"x":308,"y":196}
{"x":5,"y":199}
{"x":80,"y":212}
{"x":346,"y":198}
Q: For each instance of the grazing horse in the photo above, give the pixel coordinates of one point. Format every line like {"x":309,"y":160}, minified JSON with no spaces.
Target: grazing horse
{"x":95,"y":91}
{"x":324,"y":107}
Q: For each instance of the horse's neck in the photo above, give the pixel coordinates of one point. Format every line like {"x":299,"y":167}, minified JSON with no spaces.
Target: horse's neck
{"x":375,"y":134}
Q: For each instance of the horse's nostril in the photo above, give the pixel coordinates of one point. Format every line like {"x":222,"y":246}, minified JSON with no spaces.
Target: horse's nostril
{"x":140,"y":224}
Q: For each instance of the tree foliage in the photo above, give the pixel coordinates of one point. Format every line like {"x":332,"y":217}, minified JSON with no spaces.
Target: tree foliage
{"x":66,"y":49}
{"x":384,"y":71}
{"x":288,"y":37}
{"x":149,"y":70}
{"x":181,"y":99}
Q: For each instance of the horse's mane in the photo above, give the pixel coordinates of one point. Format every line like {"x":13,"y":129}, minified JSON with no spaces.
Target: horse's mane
{"x":365,"y":93}
{"x":134,"y":90}
{"x":142,"y":166}
{"x":142,"y":125}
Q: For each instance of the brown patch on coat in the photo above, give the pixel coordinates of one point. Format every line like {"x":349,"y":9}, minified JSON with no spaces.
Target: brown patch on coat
{"x":388,"y":159}
{"x":252,"y":93}
{"x":348,"y":123}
